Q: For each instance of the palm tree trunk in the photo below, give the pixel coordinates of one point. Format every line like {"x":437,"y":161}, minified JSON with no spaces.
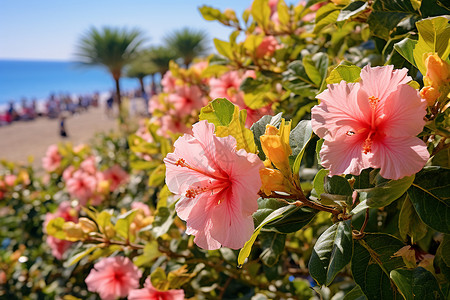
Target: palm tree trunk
{"x":141,"y":82}
{"x":119,"y":99}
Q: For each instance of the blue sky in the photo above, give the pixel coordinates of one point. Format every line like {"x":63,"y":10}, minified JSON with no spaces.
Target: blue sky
{"x":50,"y":29}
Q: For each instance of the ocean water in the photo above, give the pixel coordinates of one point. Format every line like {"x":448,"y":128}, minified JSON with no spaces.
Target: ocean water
{"x":38,"y":79}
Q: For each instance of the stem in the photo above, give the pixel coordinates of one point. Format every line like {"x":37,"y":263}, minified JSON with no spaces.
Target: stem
{"x":357,"y":235}
{"x":440,"y":146}
{"x":112,"y":242}
{"x":225,"y":286}
{"x":300,"y":200}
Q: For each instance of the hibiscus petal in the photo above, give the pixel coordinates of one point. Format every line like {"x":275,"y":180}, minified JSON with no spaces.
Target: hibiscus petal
{"x":403,"y":113}
{"x":230,"y":228}
{"x":344,"y":156}
{"x":338,"y":111}
{"x":380,"y":82}
{"x":399,"y":157}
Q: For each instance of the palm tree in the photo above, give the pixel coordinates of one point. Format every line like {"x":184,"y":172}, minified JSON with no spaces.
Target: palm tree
{"x":113,"y":48}
{"x":140,"y":68}
{"x":161,"y":57}
{"x":187,"y":43}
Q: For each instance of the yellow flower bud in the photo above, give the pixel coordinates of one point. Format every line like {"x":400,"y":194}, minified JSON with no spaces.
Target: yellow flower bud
{"x":430,"y":94}
{"x":275,"y":144}
{"x":273,"y":180}
{"x":87,"y":225}
{"x":109,"y":231}
{"x":103,"y":187}
{"x":438,"y":71}
{"x":73,"y":231}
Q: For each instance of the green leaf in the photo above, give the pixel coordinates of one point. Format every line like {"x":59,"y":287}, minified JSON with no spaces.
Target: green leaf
{"x":293,"y":220}
{"x":331,"y":253}
{"x":406,"y":49}
{"x":149,"y":254}
{"x":272,"y":244}
{"x":311,"y":70}
{"x":245,"y":251}
{"x":104,"y":220}
{"x":259,"y":128}
{"x":344,"y":72}
{"x":224,"y":48}
{"x":260,"y":11}
{"x":390,"y":16}
{"x":409,"y":223}
{"x":434,"y":34}
{"x":55,"y":228}
{"x":319,"y":182}
{"x":326,"y":15}
{"x":383,"y":194}
{"x":373,"y":260}
{"x":229,"y":121}
{"x":163,"y":220}
{"x":298,"y":140}
{"x":123,"y":223}
{"x":159,"y":279}
{"x":351,"y":10}
{"x":219,"y":112}
{"x":355,"y":294}
{"x":283,"y":13}
{"x":417,"y":283}
{"x":211,"y":14}
{"x":79,"y":256}
{"x":157,"y":176}
{"x":430,"y":195}
{"x":431,"y":8}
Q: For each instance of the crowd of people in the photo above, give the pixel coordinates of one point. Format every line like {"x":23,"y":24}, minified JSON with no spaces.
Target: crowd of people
{"x":53,"y":107}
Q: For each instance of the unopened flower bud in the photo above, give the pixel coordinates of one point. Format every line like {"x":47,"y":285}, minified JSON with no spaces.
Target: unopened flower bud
{"x":87,"y":225}
{"x":103,"y":186}
{"x":275,"y":144}
{"x":438,"y":71}
{"x":109,"y":231}
{"x":430,"y":94}
{"x":73,"y":231}
{"x":273,"y":180}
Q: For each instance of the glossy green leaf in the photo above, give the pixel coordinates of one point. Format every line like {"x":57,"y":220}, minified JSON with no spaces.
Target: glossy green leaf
{"x":434,"y":34}
{"x":390,"y":16}
{"x":272,"y":245}
{"x":406,"y":49}
{"x":355,"y":294}
{"x":417,"y":283}
{"x":384,"y":193}
{"x":292,"y":220}
{"x":344,"y":72}
{"x":298,"y":140}
{"x":219,"y":112}
{"x":352,"y":10}
{"x":331,"y":253}
{"x":430,"y":195}
{"x":373,"y":260}
{"x":319,"y":182}
{"x":409,"y":223}
{"x":245,"y":251}
{"x":326,"y":15}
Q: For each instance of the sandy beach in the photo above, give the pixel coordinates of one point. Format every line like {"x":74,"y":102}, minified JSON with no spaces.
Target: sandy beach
{"x":22,"y":139}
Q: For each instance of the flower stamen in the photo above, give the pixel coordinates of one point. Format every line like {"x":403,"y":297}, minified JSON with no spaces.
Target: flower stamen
{"x":373,"y":101}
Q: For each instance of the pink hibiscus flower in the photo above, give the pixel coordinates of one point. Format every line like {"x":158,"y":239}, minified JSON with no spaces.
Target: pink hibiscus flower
{"x":113,"y":277}
{"x":372,"y":123}
{"x":168,"y":82}
{"x":186,"y":99}
{"x":267,"y":47}
{"x":52,"y":159}
{"x":82,"y":185}
{"x":150,"y":293}
{"x":218,"y":186}
{"x":116,"y":176}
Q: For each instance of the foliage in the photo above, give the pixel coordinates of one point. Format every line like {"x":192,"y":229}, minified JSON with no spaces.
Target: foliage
{"x":316,"y":235}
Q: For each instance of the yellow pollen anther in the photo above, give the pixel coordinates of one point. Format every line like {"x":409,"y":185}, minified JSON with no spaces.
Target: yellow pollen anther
{"x":373,"y":101}
{"x":193,"y":192}
{"x":367,"y":146}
